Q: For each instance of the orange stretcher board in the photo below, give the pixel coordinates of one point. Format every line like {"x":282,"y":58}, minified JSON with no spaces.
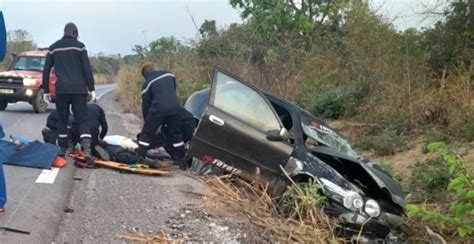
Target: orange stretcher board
{"x":134,"y":168}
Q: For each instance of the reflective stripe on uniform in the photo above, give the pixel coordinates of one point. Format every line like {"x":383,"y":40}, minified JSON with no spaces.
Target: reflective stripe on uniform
{"x":59,"y":49}
{"x":146,"y":144}
{"x":157,"y":78}
{"x":62,"y":135}
{"x":86,"y":135}
{"x":179,"y":144}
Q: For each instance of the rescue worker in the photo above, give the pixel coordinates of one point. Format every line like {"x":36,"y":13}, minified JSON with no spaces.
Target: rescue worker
{"x":160,"y":107}
{"x":50,"y":132}
{"x":97,"y":126}
{"x":187,"y":125}
{"x":74,"y":82}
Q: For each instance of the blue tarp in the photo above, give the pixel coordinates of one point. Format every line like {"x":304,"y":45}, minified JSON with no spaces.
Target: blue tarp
{"x":35,"y":154}
{"x":3,"y":37}
{"x":2,"y":134}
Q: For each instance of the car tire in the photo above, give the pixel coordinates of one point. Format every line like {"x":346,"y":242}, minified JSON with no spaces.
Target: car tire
{"x":39,"y":105}
{"x":3,"y":105}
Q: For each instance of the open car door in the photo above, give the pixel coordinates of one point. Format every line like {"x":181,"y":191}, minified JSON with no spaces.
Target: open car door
{"x":239,"y":130}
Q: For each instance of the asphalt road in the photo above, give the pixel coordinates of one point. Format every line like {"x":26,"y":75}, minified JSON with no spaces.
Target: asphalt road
{"x":31,"y":206}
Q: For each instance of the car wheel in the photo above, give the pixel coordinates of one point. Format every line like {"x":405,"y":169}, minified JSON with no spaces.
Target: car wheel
{"x":3,"y":105}
{"x":39,"y":105}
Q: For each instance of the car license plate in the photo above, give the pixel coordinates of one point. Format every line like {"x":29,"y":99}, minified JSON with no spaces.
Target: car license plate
{"x":6,"y":91}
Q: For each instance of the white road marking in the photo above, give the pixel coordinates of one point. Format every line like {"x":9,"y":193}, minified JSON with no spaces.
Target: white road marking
{"x":48,"y":176}
{"x":105,"y":93}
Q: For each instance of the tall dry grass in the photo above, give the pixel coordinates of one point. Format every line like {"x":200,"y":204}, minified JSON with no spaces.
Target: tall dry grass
{"x":129,"y":88}
{"x":103,"y":79}
{"x":302,"y":225}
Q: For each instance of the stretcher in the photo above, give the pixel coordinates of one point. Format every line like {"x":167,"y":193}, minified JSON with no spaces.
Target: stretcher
{"x":134,"y":168}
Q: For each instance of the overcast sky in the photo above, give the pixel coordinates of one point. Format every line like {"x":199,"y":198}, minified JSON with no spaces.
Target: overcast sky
{"x":113,"y":27}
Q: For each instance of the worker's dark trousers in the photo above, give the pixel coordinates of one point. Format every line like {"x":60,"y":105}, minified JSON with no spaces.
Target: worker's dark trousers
{"x":78,"y":102}
{"x":49,"y":136}
{"x":172,"y":134}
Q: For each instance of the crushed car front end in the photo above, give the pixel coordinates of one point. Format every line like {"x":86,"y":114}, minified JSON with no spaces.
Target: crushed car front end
{"x":364,"y":210}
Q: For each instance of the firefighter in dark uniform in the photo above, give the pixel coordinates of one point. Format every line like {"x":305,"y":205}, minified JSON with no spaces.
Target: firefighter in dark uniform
{"x":50,"y":132}
{"x":74,"y":83}
{"x":160,"y":107}
{"x":97,"y":125}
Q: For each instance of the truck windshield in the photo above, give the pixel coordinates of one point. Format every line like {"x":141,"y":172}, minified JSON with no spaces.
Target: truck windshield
{"x":325,"y":135}
{"x":29,"y":63}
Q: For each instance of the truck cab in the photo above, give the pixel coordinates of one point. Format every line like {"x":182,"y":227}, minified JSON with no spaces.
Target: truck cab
{"x":22,"y":81}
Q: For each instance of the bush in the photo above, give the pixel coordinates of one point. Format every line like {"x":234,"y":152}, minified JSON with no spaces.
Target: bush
{"x":387,"y":143}
{"x":185,"y":89}
{"x":461,"y":187}
{"x":430,"y":178}
{"x":327,"y":100}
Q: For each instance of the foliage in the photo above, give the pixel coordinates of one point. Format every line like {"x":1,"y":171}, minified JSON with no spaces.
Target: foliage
{"x":302,"y":198}
{"x":289,"y":16}
{"x":449,"y":43}
{"x":387,"y":143}
{"x":105,"y":65}
{"x":185,"y":89}
{"x":461,"y":185}
{"x":18,"y":40}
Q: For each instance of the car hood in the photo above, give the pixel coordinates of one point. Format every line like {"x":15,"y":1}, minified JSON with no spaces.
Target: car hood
{"x":22,"y":74}
{"x":376,"y":181}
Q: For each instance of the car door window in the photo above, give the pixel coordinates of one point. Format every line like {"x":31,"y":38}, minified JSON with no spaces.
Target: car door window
{"x":242,"y":102}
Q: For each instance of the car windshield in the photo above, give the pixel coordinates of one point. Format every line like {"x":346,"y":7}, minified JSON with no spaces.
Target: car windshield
{"x":29,"y":63}
{"x":325,"y":135}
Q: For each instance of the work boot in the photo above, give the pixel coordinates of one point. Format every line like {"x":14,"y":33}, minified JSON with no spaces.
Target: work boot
{"x":177,"y":153}
{"x":103,"y":154}
{"x":86,"y":148}
{"x":70,"y":147}
{"x":62,"y":142}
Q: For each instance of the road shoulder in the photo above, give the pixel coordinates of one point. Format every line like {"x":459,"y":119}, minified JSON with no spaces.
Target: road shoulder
{"x":106,"y":205}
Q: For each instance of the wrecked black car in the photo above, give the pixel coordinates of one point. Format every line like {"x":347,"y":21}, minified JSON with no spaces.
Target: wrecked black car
{"x":255,"y":134}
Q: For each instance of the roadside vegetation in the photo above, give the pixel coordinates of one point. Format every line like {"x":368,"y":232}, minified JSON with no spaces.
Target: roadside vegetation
{"x":340,"y":60}
{"x":343,"y":61}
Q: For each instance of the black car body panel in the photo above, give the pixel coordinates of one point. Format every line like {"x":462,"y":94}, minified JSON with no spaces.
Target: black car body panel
{"x":375,"y":179}
{"x":236,"y":132}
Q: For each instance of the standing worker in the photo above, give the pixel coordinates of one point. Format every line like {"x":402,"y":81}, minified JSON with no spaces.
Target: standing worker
{"x":75,"y":82}
{"x":160,"y":107}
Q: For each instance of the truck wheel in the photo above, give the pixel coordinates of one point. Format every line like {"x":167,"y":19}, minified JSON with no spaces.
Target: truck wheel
{"x":3,"y":105}
{"x":39,"y":105}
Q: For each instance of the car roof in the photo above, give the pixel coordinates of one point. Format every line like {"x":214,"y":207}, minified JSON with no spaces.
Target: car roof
{"x":36,"y":53}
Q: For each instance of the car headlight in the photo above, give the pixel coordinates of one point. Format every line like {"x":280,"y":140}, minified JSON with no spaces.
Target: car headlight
{"x":372,"y":208}
{"x":29,"y":82}
{"x":350,"y":199}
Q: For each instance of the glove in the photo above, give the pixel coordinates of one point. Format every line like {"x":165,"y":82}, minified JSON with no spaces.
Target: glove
{"x":92,"y":97}
{"x":47,"y":97}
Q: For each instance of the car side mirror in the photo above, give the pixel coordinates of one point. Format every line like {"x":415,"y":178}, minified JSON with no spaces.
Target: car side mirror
{"x":275,"y":135}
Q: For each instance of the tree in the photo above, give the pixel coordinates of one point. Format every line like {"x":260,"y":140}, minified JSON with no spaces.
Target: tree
{"x":18,"y":41}
{"x":208,"y":29}
{"x":278,"y":18}
{"x":450,"y":43}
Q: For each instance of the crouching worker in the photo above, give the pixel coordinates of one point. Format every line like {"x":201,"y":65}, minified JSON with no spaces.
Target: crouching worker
{"x":187,"y":125}
{"x":97,"y":126}
{"x":50,"y":132}
{"x":160,"y":107}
